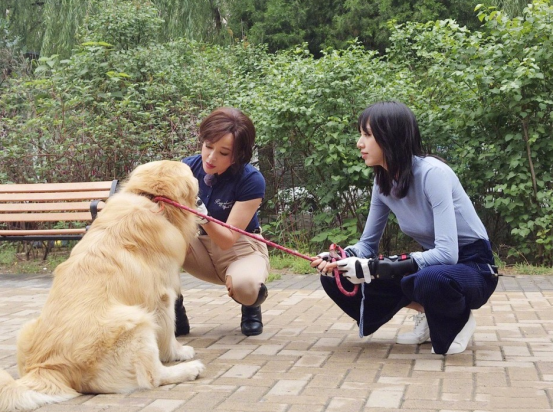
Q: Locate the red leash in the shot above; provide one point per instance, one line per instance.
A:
(335, 255)
(252, 235)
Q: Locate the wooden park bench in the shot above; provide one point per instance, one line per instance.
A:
(50, 211)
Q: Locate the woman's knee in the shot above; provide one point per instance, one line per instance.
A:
(430, 287)
(244, 289)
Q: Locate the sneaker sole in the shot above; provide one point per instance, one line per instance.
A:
(411, 341)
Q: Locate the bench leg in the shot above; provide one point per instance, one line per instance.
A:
(47, 247)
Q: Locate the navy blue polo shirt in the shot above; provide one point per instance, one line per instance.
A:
(229, 188)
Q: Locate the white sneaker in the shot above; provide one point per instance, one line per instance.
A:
(462, 339)
(420, 333)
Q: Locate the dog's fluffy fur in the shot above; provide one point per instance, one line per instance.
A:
(109, 322)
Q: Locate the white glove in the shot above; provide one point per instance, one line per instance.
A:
(200, 207)
(355, 269)
(324, 256)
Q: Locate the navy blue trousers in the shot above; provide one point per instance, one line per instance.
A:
(447, 293)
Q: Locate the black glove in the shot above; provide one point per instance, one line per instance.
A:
(392, 267)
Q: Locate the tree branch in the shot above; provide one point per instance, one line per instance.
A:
(529, 155)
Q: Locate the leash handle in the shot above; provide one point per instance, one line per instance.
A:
(243, 232)
(337, 253)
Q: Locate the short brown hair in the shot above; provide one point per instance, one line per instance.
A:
(226, 120)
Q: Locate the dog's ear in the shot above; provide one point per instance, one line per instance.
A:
(171, 179)
(190, 187)
(179, 183)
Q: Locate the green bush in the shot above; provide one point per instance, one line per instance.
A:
(483, 100)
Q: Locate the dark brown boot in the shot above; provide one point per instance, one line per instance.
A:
(182, 327)
(252, 323)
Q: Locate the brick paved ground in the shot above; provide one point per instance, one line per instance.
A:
(310, 358)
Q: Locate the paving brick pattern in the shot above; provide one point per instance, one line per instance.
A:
(310, 357)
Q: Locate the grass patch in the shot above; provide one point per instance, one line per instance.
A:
(273, 276)
(7, 256)
(14, 262)
(526, 269)
(32, 266)
(522, 268)
(292, 263)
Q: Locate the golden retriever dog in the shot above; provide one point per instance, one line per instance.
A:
(109, 322)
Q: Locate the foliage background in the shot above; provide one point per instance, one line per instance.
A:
(48, 27)
(122, 97)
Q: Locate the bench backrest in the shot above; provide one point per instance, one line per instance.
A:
(22, 206)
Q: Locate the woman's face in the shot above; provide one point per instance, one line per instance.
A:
(370, 150)
(217, 156)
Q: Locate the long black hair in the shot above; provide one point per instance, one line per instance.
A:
(396, 131)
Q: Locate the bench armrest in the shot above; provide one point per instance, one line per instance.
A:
(94, 208)
(94, 203)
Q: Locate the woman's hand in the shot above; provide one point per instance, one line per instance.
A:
(240, 216)
(200, 207)
(323, 264)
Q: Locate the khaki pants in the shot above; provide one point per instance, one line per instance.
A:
(242, 268)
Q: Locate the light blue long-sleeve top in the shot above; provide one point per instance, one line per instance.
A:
(437, 213)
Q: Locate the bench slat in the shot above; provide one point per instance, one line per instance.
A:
(47, 204)
(42, 232)
(46, 207)
(45, 217)
(41, 197)
(55, 187)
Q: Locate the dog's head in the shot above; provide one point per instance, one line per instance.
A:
(167, 178)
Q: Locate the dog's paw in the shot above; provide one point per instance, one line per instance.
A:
(196, 368)
(184, 353)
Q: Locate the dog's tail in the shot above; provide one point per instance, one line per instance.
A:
(17, 395)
